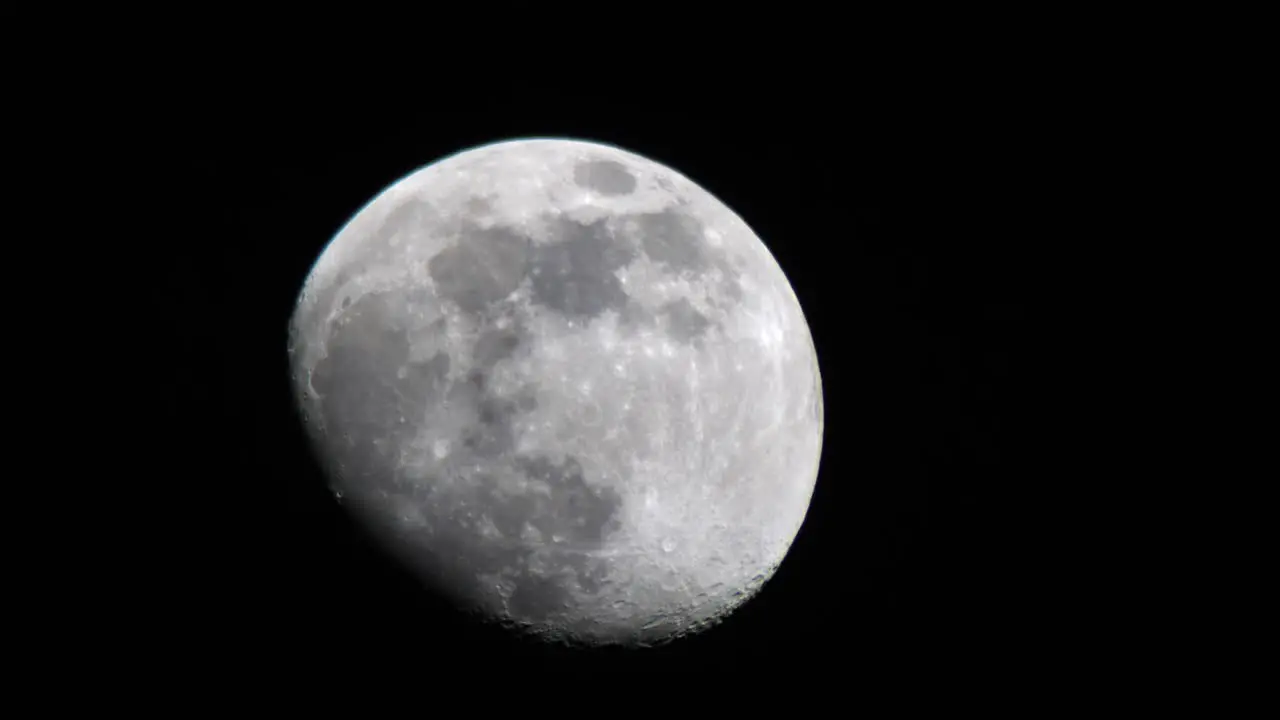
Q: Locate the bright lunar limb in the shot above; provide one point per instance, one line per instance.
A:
(567, 386)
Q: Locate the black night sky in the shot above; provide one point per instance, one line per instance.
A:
(898, 227)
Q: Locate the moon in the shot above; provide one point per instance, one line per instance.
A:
(566, 386)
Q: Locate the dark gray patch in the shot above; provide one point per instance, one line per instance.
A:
(732, 289)
(527, 400)
(635, 315)
(495, 345)
(431, 373)
(576, 511)
(484, 267)
(478, 205)
(575, 276)
(469, 392)
(497, 412)
(605, 177)
(362, 397)
(478, 380)
(673, 239)
(538, 597)
(510, 512)
(684, 322)
(492, 434)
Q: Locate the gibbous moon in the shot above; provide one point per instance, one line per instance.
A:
(569, 388)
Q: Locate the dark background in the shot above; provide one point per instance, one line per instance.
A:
(900, 227)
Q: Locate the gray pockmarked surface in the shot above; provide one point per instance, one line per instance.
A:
(567, 386)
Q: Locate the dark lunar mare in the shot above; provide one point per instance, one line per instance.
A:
(674, 239)
(485, 266)
(684, 322)
(574, 275)
(362, 398)
(606, 177)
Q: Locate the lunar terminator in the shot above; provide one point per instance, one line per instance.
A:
(568, 387)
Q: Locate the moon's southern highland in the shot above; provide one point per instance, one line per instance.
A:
(568, 387)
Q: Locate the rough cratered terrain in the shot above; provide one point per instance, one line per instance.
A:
(567, 386)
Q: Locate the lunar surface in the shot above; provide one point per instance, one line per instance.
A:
(568, 387)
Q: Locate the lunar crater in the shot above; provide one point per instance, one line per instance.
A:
(606, 177)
